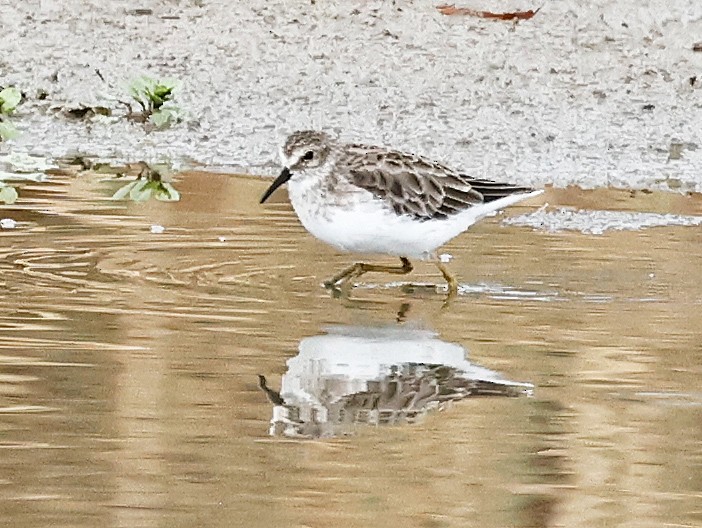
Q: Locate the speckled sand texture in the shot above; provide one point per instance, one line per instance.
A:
(591, 93)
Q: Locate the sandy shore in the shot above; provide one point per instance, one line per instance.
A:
(593, 96)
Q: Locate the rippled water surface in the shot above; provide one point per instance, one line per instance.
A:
(563, 387)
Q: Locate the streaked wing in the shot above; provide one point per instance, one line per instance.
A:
(416, 186)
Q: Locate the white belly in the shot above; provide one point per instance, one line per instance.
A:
(370, 228)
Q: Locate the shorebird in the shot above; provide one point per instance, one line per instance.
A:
(366, 199)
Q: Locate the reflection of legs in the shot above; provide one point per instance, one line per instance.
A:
(359, 268)
(402, 312)
(450, 279)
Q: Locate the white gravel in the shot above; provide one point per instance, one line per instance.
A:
(588, 93)
(598, 222)
(7, 223)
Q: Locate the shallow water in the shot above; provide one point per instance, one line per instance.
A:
(129, 359)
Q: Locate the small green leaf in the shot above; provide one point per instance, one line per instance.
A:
(161, 94)
(152, 94)
(166, 116)
(124, 191)
(160, 118)
(7, 131)
(141, 192)
(8, 194)
(139, 85)
(148, 185)
(10, 97)
(162, 91)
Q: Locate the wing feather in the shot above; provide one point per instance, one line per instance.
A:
(492, 190)
(418, 187)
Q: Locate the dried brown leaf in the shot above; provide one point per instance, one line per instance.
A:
(515, 15)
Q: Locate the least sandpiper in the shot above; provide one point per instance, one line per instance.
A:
(366, 199)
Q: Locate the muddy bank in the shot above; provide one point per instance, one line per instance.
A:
(605, 95)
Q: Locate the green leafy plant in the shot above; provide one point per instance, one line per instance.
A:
(155, 97)
(7, 130)
(10, 97)
(150, 183)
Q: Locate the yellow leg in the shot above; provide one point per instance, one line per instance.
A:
(359, 268)
(450, 279)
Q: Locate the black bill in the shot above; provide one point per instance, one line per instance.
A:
(280, 180)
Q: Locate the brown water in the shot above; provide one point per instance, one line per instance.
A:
(129, 360)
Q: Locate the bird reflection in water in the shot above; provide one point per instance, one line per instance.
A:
(375, 375)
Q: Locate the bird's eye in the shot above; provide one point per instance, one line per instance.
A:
(308, 155)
